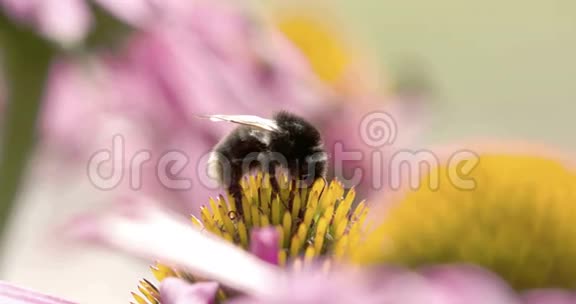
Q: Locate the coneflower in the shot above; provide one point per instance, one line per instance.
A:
(319, 222)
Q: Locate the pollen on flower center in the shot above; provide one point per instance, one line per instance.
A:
(316, 221)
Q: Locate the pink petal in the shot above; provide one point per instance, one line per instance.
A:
(22, 10)
(10, 294)
(345, 287)
(177, 10)
(440, 285)
(134, 12)
(144, 230)
(178, 291)
(264, 243)
(465, 284)
(66, 21)
(69, 110)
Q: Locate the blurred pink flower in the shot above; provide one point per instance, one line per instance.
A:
(549, 296)
(216, 61)
(69, 21)
(175, 290)
(264, 245)
(10, 294)
(66, 21)
(130, 225)
(211, 58)
(143, 229)
(473, 286)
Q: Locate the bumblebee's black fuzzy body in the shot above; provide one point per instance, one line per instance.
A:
(293, 145)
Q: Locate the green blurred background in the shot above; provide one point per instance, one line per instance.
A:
(504, 68)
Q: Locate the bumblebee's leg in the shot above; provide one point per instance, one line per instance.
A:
(235, 190)
(304, 179)
(308, 174)
(273, 178)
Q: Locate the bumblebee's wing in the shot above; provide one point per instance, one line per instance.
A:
(247, 120)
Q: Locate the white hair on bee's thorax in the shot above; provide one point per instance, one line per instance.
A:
(317, 157)
(215, 170)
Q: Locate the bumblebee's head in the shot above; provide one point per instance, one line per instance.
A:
(300, 143)
(297, 131)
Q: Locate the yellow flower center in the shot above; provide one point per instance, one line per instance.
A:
(315, 221)
(518, 222)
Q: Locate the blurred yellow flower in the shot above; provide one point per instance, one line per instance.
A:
(337, 56)
(322, 45)
(519, 222)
